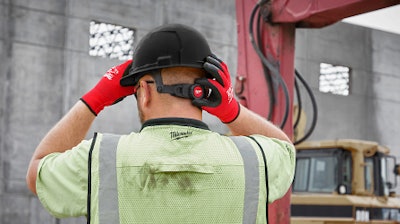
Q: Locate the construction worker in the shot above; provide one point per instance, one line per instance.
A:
(175, 170)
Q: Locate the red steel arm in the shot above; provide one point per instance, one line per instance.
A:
(316, 14)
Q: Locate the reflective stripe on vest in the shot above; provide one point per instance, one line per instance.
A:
(108, 193)
(252, 178)
(108, 189)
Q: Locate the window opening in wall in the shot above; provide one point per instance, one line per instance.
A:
(111, 41)
(334, 79)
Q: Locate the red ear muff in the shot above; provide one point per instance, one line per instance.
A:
(197, 92)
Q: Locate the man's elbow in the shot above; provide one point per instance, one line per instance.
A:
(31, 178)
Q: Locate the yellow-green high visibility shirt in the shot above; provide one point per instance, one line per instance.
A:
(172, 171)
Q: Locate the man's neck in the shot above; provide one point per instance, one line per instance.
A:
(182, 110)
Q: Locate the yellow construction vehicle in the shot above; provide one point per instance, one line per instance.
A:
(344, 181)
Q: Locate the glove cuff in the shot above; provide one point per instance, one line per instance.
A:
(94, 105)
(232, 115)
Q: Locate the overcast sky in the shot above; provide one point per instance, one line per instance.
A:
(387, 19)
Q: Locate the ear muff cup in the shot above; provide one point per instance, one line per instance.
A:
(197, 91)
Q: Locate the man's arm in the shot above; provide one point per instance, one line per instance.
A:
(72, 128)
(222, 104)
(66, 134)
(248, 123)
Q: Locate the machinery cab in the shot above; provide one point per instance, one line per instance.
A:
(344, 181)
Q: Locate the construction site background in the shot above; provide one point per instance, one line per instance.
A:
(45, 67)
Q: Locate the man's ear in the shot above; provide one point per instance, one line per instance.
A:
(146, 94)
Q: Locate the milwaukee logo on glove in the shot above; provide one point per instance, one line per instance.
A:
(229, 92)
(110, 73)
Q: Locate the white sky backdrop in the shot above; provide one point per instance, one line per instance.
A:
(387, 19)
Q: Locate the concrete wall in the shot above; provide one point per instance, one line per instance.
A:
(45, 68)
(339, 44)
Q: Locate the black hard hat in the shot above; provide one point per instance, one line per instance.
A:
(167, 46)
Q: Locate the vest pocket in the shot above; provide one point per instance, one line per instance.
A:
(181, 177)
(195, 168)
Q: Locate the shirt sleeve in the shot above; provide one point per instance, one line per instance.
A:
(281, 162)
(61, 182)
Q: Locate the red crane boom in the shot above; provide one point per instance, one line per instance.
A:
(272, 30)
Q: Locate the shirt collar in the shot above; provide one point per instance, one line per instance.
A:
(175, 121)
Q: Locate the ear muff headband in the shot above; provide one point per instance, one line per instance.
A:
(189, 91)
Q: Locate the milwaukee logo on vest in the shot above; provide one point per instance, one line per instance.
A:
(175, 135)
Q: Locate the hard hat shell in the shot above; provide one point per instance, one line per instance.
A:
(167, 46)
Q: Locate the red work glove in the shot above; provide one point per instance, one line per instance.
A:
(220, 100)
(108, 91)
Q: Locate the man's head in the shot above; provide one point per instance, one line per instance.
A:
(172, 45)
(168, 60)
